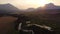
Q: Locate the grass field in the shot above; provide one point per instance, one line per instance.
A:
(6, 25)
(7, 22)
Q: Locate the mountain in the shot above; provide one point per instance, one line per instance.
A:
(51, 6)
(8, 8)
(49, 9)
(30, 9)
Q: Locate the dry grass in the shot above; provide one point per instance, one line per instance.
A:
(6, 25)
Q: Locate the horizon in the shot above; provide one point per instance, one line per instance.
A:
(43, 7)
(25, 4)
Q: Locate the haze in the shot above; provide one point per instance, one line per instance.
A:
(24, 4)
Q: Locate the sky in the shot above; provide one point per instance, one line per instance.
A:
(24, 4)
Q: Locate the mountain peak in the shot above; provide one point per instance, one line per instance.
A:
(8, 8)
(51, 6)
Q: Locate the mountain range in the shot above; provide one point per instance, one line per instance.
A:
(49, 8)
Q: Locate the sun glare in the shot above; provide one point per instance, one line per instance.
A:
(37, 2)
(43, 2)
(31, 3)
